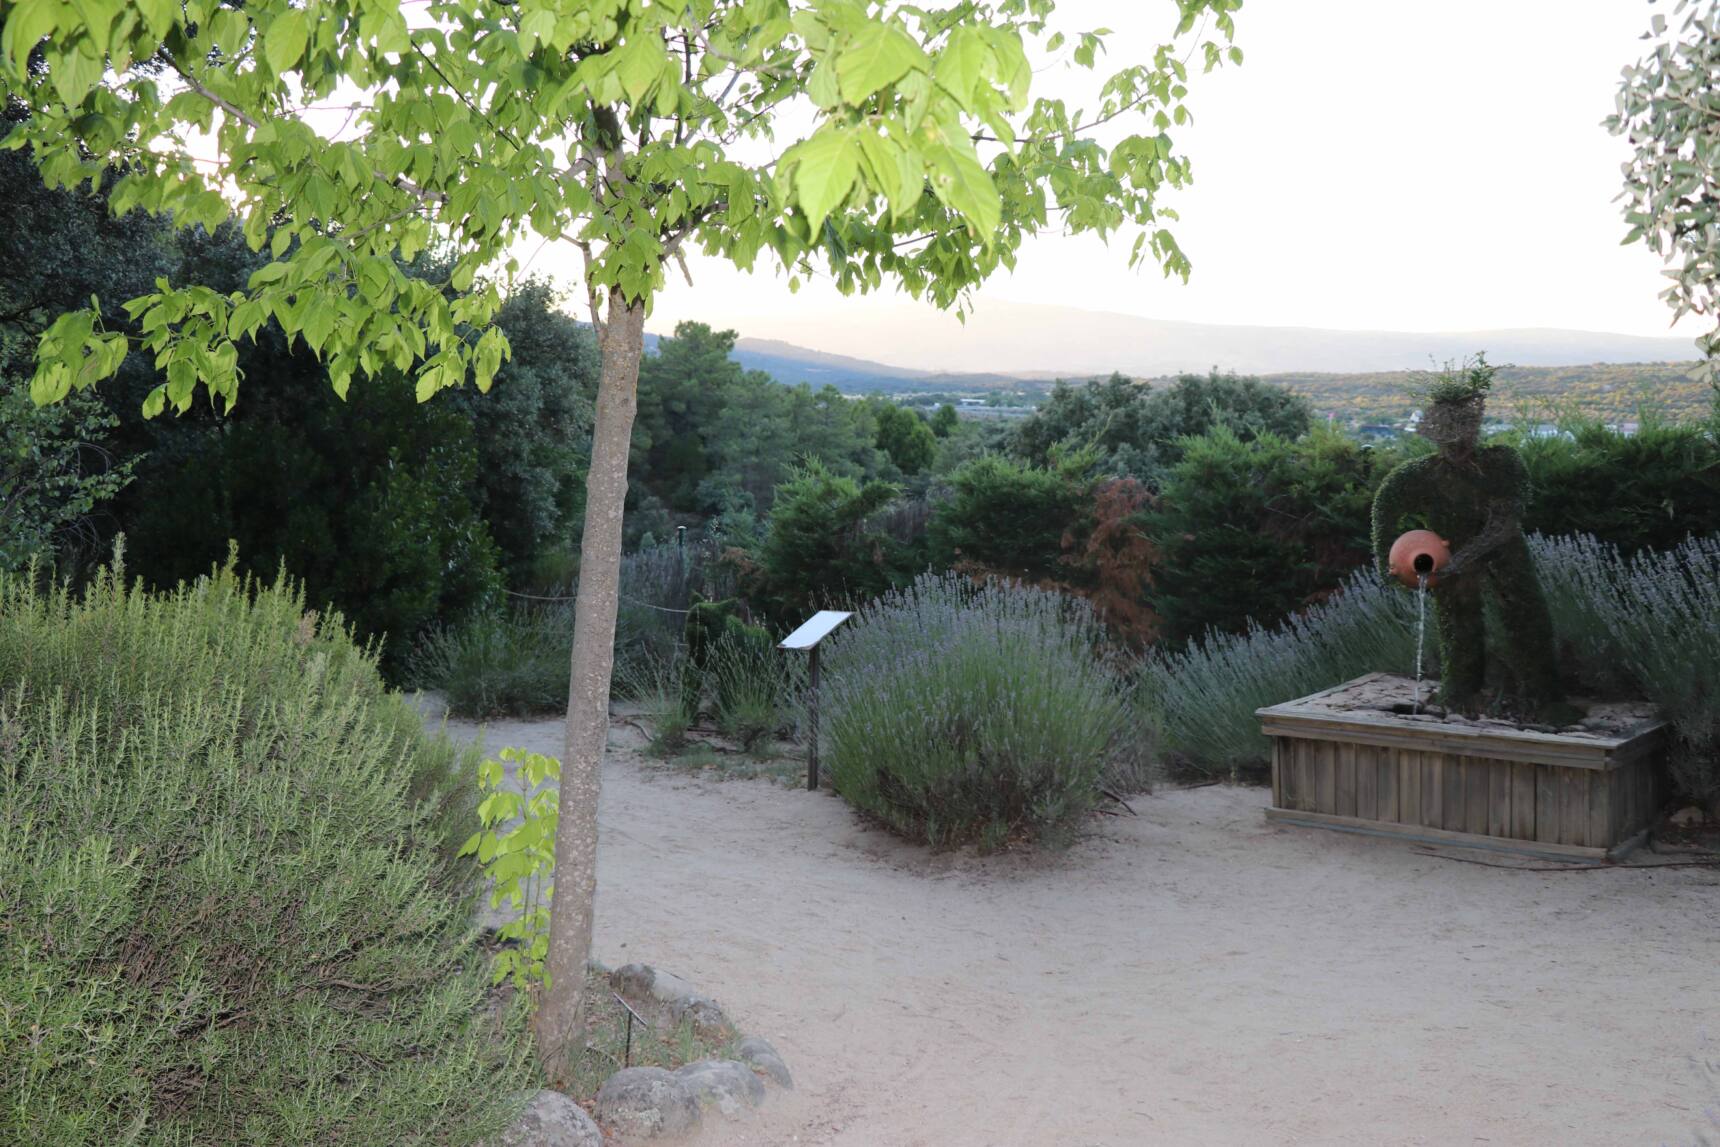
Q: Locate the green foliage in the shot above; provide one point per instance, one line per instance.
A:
(754, 687)
(712, 437)
(1651, 489)
(1672, 183)
(502, 662)
(233, 912)
(965, 713)
(1137, 429)
(904, 437)
(1649, 621)
(825, 545)
(481, 126)
(945, 420)
(1254, 530)
(53, 471)
(1458, 382)
(515, 847)
(1011, 518)
(1203, 697)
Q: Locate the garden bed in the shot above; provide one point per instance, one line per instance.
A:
(1365, 757)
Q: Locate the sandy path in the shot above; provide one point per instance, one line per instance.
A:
(1191, 976)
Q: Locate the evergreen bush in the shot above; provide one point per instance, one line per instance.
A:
(233, 911)
(976, 713)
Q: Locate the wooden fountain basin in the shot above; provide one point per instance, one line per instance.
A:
(1341, 759)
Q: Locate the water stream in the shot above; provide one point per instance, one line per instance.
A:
(1420, 634)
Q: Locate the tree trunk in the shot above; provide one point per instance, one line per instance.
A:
(559, 1018)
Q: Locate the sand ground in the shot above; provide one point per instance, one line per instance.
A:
(1191, 975)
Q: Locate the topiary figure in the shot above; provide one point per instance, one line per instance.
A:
(1474, 496)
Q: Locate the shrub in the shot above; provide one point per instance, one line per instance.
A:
(820, 548)
(963, 713)
(1203, 697)
(1012, 518)
(1249, 531)
(1651, 489)
(1654, 618)
(753, 685)
(501, 663)
(233, 912)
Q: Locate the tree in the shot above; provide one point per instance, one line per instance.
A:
(944, 421)
(1138, 428)
(1668, 110)
(905, 437)
(625, 128)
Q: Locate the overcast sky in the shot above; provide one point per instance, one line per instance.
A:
(1372, 165)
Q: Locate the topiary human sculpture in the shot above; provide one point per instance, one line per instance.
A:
(1473, 496)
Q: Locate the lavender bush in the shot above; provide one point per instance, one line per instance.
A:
(958, 713)
(1203, 698)
(1652, 619)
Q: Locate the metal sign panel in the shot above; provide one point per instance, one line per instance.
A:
(815, 629)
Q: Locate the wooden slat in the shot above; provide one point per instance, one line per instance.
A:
(1547, 805)
(1325, 757)
(1433, 789)
(1385, 769)
(1574, 807)
(1437, 835)
(1511, 745)
(1409, 784)
(1452, 816)
(1600, 833)
(1307, 798)
(1277, 772)
(1346, 769)
(1522, 801)
(1367, 782)
(1499, 797)
(1478, 795)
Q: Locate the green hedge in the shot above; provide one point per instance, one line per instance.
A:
(232, 910)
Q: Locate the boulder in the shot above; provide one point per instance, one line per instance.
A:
(667, 1000)
(760, 1054)
(551, 1119)
(647, 1103)
(726, 1084)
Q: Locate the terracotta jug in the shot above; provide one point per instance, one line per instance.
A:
(1418, 553)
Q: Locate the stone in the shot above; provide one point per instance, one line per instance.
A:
(763, 1056)
(726, 1084)
(669, 1000)
(647, 1103)
(551, 1119)
(1688, 816)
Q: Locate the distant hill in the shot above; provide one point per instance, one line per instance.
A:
(907, 344)
(793, 364)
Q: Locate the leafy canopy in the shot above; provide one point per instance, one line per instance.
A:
(1669, 110)
(627, 128)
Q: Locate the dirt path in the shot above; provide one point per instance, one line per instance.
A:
(1191, 976)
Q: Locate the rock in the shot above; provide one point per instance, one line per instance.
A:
(726, 1084)
(647, 1103)
(763, 1056)
(669, 1000)
(551, 1119)
(1687, 816)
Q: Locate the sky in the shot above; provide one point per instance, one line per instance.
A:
(1373, 165)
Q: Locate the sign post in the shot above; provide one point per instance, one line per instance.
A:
(814, 630)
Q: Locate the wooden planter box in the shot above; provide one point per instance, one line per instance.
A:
(1542, 794)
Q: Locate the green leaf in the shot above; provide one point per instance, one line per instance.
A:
(963, 185)
(824, 171)
(638, 65)
(25, 27)
(961, 64)
(537, 26)
(876, 57)
(284, 41)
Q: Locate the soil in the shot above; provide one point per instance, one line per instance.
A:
(1190, 975)
(1386, 694)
